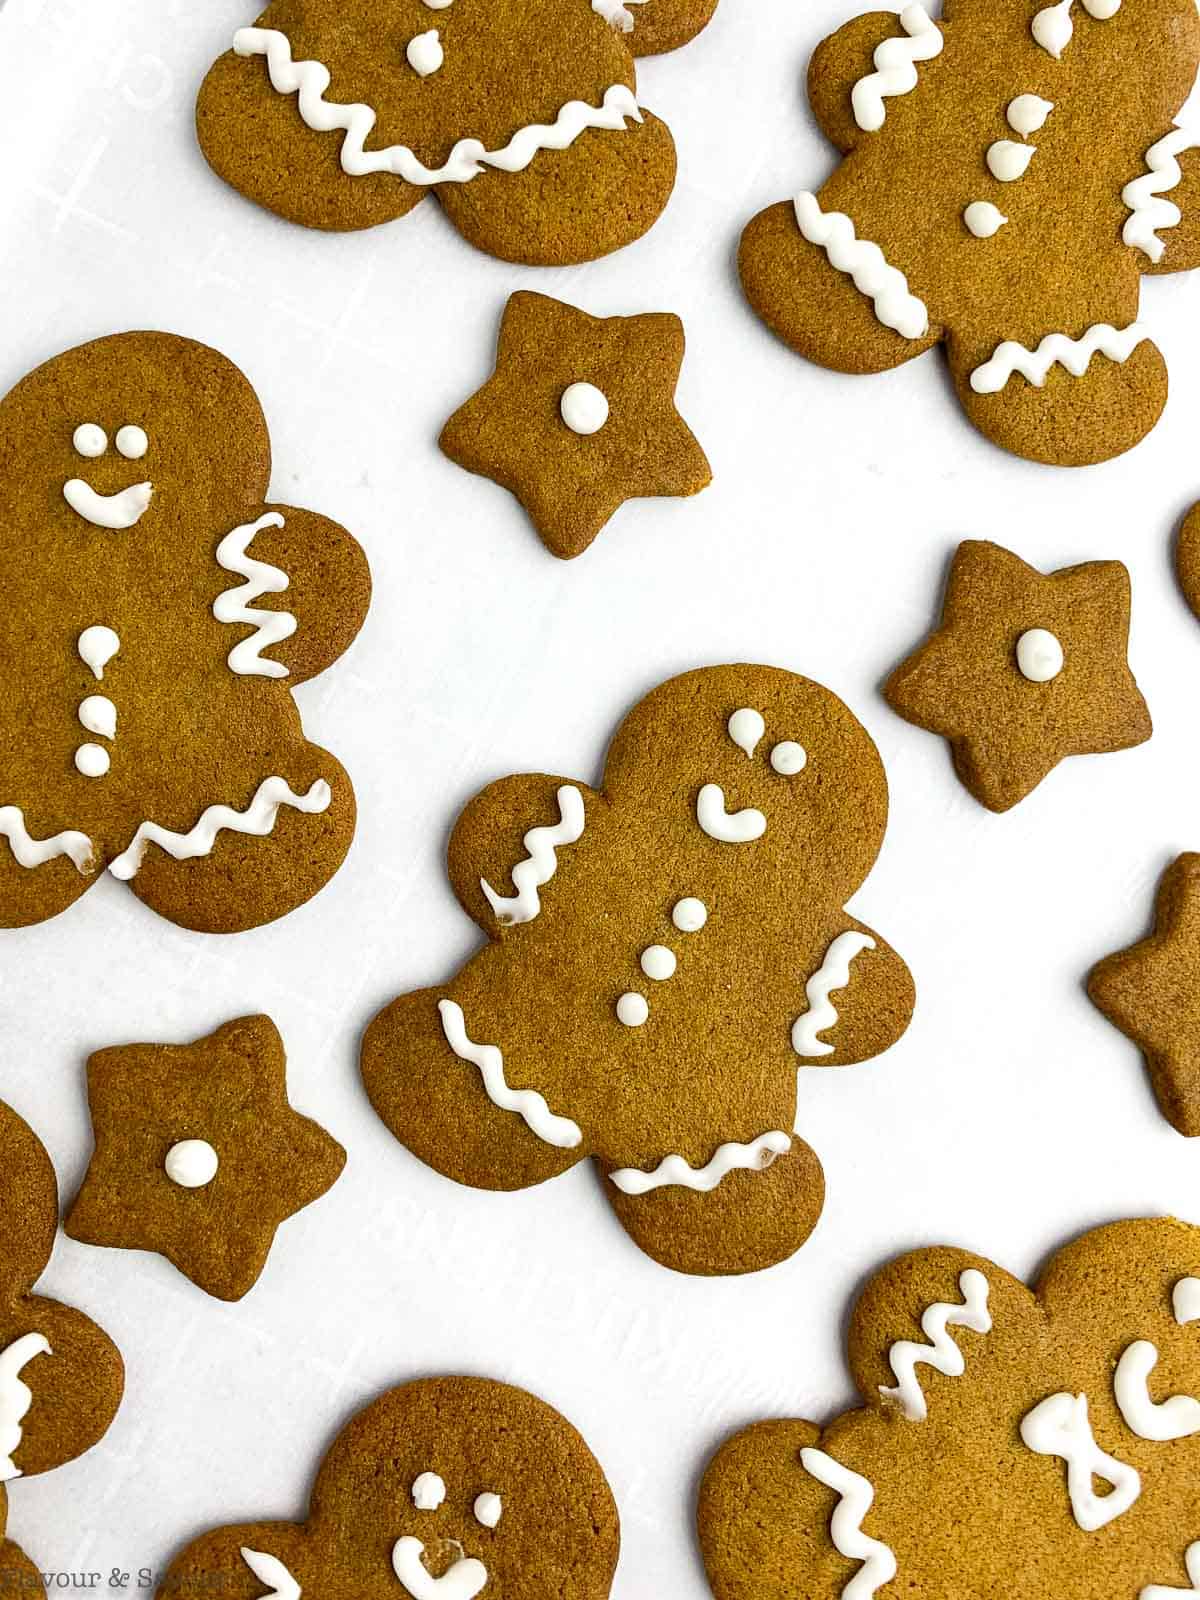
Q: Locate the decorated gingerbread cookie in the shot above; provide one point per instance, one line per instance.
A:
(664, 952)
(1152, 993)
(199, 1155)
(1026, 669)
(1012, 1441)
(448, 1487)
(149, 726)
(520, 115)
(61, 1376)
(1009, 172)
(578, 417)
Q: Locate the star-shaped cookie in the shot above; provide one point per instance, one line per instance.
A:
(1026, 668)
(198, 1154)
(1152, 993)
(578, 417)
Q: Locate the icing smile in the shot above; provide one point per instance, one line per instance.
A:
(462, 1581)
(114, 511)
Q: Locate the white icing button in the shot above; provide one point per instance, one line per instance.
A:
(689, 914)
(584, 408)
(632, 1010)
(1027, 113)
(789, 758)
(92, 760)
(97, 646)
(428, 1492)
(1039, 655)
(89, 440)
(487, 1508)
(425, 54)
(983, 219)
(1008, 160)
(98, 715)
(132, 441)
(658, 962)
(746, 728)
(191, 1163)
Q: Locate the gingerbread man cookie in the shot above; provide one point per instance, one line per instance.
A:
(520, 115)
(1012, 1442)
(1187, 558)
(148, 723)
(1009, 172)
(664, 953)
(448, 1487)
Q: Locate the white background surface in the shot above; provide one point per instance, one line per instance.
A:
(1009, 1117)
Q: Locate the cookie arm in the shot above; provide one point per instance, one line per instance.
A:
(662, 25)
(860, 1018)
(1181, 243)
(837, 64)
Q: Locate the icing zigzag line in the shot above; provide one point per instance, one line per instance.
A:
(941, 1353)
(31, 852)
(616, 14)
(1118, 344)
(884, 285)
(528, 1104)
(271, 627)
(896, 70)
(257, 819)
(541, 863)
(674, 1170)
(855, 1498)
(16, 1397)
(1148, 211)
(833, 973)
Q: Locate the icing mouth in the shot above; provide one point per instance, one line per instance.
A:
(462, 1581)
(114, 511)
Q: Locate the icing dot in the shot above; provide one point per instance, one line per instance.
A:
(789, 758)
(89, 439)
(98, 715)
(428, 1492)
(92, 760)
(689, 914)
(438, 5)
(132, 441)
(425, 53)
(983, 219)
(632, 1009)
(487, 1508)
(1027, 113)
(584, 408)
(97, 646)
(746, 728)
(1008, 160)
(192, 1163)
(658, 962)
(1039, 655)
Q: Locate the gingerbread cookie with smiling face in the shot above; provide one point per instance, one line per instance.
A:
(520, 115)
(450, 1487)
(147, 724)
(664, 952)
(1009, 172)
(1039, 1442)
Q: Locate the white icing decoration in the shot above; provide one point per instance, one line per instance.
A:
(1059, 1426)
(428, 1491)
(632, 1009)
(658, 962)
(1027, 113)
(615, 13)
(1039, 655)
(527, 1103)
(676, 1172)
(788, 758)
(487, 1508)
(98, 715)
(308, 80)
(885, 286)
(689, 914)
(270, 1570)
(132, 442)
(941, 1353)
(424, 53)
(97, 646)
(89, 440)
(540, 865)
(1053, 28)
(114, 511)
(15, 1397)
(31, 852)
(192, 1163)
(1185, 1301)
(1008, 160)
(258, 819)
(983, 219)
(462, 1580)
(1148, 210)
(583, 408)
(736, 827)
(855, 1498)
(438, 5)
(895, 67)
(233, 605)
(92, 760)
(746, 728)
(1056, 350)
(1165, 1591)
(833, 973)
(1176, 1418)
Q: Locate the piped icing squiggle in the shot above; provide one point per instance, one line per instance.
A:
(1148, 210)
(527, 1103)
(617, 15)
(271, 627)
(31, 852)
(1060, 1426)
(462, 1580)
(270, 1570)
(1053, 29)
(308, 81)
(941, 1353)
(729, 827)
(1118, 344)
(257, 819)
(541, 863)
(833, 973)
(855, 1498)
(15, 1397)
(1185, 1301)
(884, 285)
(1167, 1591)
(675, 1171)
(895, 67)
(1175, 1418)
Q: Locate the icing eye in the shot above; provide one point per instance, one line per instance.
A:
(746, 727)
(89, 439)
(789, 758)
(428, 1492)
(487, 1509)
(132, 441)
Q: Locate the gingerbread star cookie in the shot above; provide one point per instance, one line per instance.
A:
(1152, 993)
(198, 1154)
(1026, 669)
(578, 417)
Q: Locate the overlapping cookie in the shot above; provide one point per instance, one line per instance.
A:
(1009, 172)
(146, 721)
(663, 954)
(520, 115)
(1012, 1442)
(18, 1574)
(448, 1487)
(1187, 558)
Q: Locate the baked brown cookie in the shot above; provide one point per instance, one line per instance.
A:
(661, 957)
(1012, 1442)
(1026, 669)
(520, 115)
(1010, 171)
(147, 723)
(578, 417)
(18, 1575)
(199, 1155)
(1152, 993)
(61, 1376)
(446, 1487)
(1187, 558)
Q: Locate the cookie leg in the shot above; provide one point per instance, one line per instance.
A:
(35, 894)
